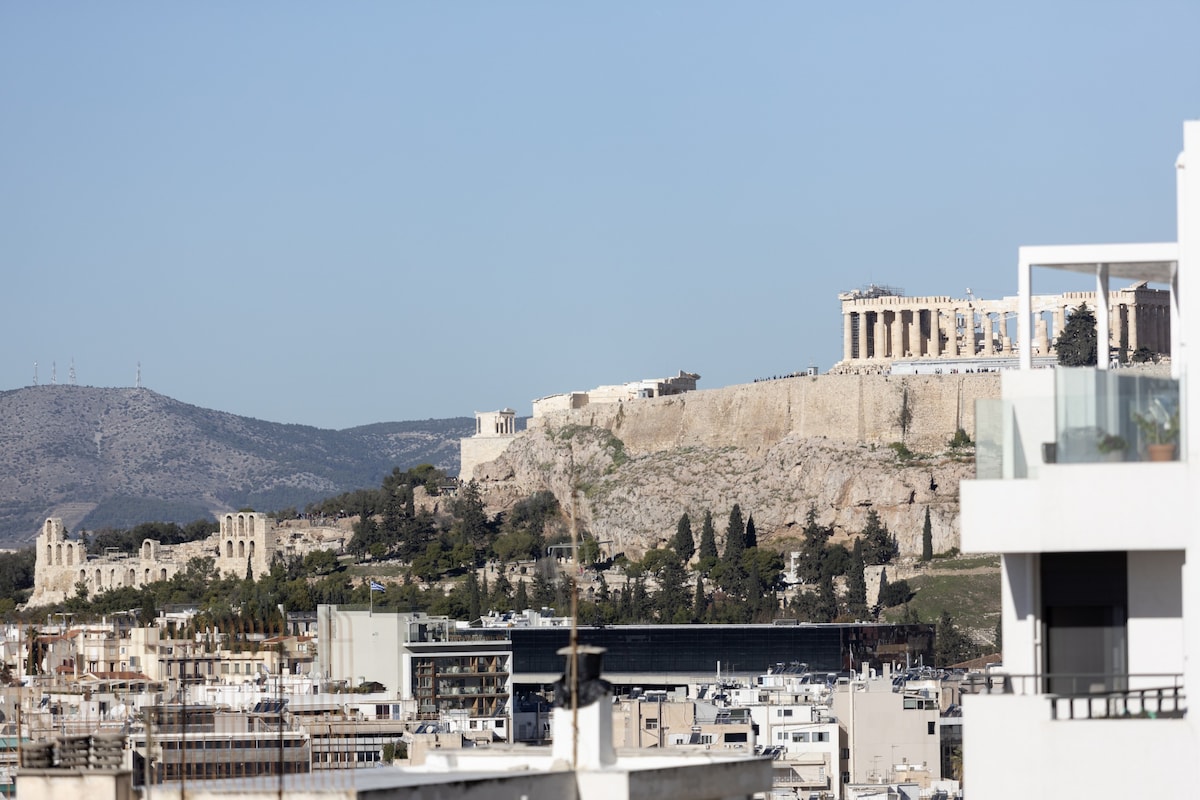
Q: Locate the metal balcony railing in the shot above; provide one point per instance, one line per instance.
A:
(1152, 696)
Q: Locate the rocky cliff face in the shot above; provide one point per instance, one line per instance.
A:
(627, 472)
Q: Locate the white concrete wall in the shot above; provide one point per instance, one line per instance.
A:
(1156, 631)
(1078, 508)
(1013, 749)
(1019, 603)
(357, 646)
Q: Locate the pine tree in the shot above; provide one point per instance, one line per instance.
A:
(812, 553)
(751, 533)
(927, 538)
(544, 591)
(684, 544)
(879, 546)
(826, 609)
(951, 645)
(1076, 344)
(671, 597)
(708, 544)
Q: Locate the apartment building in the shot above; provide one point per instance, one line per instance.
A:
(1086, 487)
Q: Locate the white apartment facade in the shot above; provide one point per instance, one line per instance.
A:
(1099, 549)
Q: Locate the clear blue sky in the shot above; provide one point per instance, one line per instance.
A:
(338, 214)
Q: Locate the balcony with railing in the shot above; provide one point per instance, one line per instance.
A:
(1088, 416)
(1095, 437)
(1092, 696)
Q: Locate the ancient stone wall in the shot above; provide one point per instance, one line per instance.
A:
(752, 417)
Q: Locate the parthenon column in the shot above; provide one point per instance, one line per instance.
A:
(897, 349)
(880, 335)
(847, 335)
(935, 332)
(952, 331)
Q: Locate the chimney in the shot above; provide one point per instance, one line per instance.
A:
(583, 736)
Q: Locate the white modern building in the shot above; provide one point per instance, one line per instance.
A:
(1101, 619)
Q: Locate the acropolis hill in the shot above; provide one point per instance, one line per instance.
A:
(776, 447)
(644, 452)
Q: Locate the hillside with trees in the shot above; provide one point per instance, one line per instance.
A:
(444, 554)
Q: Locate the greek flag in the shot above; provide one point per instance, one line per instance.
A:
(377, 587)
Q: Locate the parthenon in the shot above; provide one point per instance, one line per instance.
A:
(881, 326)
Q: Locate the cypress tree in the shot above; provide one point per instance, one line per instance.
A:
(671, 597)
(474, 607)
(684, 543)
(502, 594)
(751, 534)
(883, 587)
(521, 600)
(708, 544)
(625, 604)
(856, 585)
(927, 538)
(735, 537)
(639, 604)
(699, 605)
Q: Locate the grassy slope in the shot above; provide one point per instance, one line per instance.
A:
(966, 586)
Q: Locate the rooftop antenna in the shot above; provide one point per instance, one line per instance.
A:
(71, 373)
(35, 378)
(138, 383)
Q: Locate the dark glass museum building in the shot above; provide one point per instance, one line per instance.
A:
(643, 652)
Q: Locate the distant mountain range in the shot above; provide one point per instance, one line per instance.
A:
(117, 457)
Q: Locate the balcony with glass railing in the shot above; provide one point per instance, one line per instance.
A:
(1087, 416)
(1058, 451)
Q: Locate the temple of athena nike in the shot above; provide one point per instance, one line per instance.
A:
(882, 330)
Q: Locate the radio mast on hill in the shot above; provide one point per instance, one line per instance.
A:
(138, 383)
(35, 378)
(71, 373)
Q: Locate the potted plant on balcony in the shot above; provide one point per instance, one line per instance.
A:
(1112, 447)
(1160, 430)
